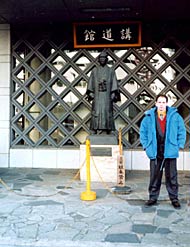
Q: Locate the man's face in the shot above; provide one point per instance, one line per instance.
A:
(102, 60)
(161, 104)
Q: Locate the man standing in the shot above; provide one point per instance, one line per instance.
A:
(162, 134)
(102, 90)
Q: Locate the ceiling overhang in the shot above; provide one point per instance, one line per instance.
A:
(53, 11)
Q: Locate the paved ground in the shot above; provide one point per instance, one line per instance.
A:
(44, 209)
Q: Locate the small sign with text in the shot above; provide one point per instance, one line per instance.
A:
(107, 34)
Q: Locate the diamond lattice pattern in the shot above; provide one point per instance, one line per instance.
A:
(49, 84)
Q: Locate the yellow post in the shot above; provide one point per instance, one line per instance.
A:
(88, 195)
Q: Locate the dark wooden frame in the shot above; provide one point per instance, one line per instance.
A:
(82, 24)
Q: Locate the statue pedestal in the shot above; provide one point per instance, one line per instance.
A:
(103, 161)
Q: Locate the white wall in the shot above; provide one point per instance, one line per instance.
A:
(70, 159)
(45, 158)
(4, 94)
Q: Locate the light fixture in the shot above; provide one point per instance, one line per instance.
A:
(103, 10)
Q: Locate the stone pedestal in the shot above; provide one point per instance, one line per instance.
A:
(104, 155)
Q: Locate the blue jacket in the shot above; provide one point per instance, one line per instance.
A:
(175, 133)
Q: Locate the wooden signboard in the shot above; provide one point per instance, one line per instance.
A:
(120, 164)
(107, 34)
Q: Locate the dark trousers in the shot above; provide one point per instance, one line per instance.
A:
(156, 172)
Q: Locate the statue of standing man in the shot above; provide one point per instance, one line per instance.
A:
(102, 90)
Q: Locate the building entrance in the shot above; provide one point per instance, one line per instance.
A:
(49, 79)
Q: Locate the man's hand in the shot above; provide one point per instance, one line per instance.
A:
(112, 96)
(91, 96)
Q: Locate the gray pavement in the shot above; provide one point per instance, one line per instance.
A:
(42, 207)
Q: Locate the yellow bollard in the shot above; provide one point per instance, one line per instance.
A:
(88, 195)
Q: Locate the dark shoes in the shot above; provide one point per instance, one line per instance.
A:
(176, 204)
(150, 202)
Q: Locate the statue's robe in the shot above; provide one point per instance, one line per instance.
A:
(104, 85)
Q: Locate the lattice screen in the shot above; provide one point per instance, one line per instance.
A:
(49, 107)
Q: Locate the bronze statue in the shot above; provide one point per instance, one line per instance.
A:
(102, 90)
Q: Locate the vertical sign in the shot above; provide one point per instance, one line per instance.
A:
(120, 164)
(120, 171)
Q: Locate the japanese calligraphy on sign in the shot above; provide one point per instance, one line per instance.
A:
(107, 34)
(120, 172)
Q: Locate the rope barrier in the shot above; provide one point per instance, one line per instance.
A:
(187, 198)
(50, 195)
(129, 199)
(13, 191)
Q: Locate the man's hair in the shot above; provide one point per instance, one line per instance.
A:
(161, 95)
(103, 54)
